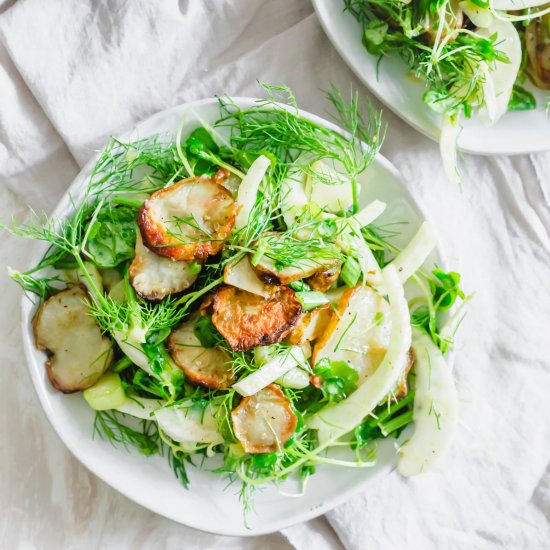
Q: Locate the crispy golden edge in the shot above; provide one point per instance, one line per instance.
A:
(296, 336)
(155, 237)
(334, 320)
(244, 331)
(323, 280)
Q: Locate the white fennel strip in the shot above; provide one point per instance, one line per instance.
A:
(368, 214)
(435, 410)
(248, 190)
(411, 258)
(270, 371)
(501, 77)
(335, 421)
(448, 144)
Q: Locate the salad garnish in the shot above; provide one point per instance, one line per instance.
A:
(474, 57)
(230, 289)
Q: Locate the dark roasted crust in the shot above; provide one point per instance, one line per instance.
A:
(274, 319)
(154, 232)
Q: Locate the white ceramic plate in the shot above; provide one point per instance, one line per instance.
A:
(209, 504)
(516, 133)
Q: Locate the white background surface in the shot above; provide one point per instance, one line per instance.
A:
(74, 71)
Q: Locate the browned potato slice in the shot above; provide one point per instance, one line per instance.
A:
(188, 220)
(78, 352)
(247, 320)
(311, 326)
(210, 367)
(155, 277)
(268, 271)
(323, 280)
(264, 422)
(358, 332)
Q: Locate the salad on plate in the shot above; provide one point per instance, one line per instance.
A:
(225, 298)
(476, 58)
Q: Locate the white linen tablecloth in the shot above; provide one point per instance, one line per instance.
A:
(74, 71)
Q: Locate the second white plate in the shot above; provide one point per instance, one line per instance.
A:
(516, 133)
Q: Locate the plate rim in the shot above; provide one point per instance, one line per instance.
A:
(310, 512)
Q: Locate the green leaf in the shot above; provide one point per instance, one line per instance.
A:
(420, 318)
(264, 461)
(374, 36)
(339, 379)
(199, 142)
(201, 146)
(206, 332)
(160, 363)
(447, 289)
(112, 236)
(521, 99)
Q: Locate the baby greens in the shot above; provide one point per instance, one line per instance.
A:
(238, 362)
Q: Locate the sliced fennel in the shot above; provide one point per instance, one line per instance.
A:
(435, 409)
(181, 423)
(295, 378)
(448, 147)
(140, 407)
(411, 258)
(480, 17)
(328, 188)
(293, 198)
(275, 367)
(501, 77)
(239, 273)
(248, 190)
(130, 344)
(368, 214)
(505, 5)
(189, 425)
(335, 421)
(107, 393)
